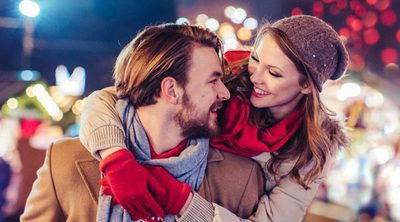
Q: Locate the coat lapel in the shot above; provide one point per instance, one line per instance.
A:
(90, 174)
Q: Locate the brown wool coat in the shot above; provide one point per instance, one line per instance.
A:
(67, 185)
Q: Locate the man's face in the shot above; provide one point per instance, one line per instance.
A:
(203, 96)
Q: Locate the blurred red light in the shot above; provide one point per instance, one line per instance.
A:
(371, 2)
(297, 11)
(388, 18)
(354, 4)
(370, 19)
(341, 4)
(357, 62)
(360, 10)
(356, 25)
(383, 4)
(318, 9)
(398, 35)
(371, 36)
(350, 19)
(344, 32)
(29, 126)
(389, 55)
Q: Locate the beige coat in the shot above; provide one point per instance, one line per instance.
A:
(67, 186)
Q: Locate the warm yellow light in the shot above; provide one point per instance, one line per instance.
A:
(12, 103)
(244, 34)
(77, 107)
(225, 28)
(29, 92)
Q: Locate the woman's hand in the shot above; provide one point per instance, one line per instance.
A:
(131, 185)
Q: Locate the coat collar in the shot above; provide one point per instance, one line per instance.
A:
(214, 155)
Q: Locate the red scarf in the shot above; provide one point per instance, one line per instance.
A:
(170, 153)
(241, 137)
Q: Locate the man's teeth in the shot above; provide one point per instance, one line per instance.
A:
(259, 91)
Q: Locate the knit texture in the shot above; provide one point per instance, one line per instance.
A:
(318, 45)
(105, 137)
(199, 210)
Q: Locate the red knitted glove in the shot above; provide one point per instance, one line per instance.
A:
(177, 192)
(134, 188)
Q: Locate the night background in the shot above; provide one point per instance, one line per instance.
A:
(91, 33)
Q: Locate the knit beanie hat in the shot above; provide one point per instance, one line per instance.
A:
(318, 45)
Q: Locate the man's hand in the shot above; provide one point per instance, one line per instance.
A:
(132, 186)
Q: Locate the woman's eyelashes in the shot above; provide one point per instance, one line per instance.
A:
(274, 74)
(253, 57)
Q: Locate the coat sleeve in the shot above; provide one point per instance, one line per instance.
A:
(42, 203)
(287, 201)
(101, 126)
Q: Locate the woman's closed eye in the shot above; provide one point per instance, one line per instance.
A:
(253, 57)
(274, 74)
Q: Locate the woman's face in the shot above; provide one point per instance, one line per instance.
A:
(275, 79)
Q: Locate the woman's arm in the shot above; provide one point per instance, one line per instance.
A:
(101, 129)
(287, 201)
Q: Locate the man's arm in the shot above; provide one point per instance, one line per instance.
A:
(42, 203)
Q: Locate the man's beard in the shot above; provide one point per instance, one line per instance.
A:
(193, 123)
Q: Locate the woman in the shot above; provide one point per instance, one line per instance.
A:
(275, 114)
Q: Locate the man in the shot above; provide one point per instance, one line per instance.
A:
(171, 76)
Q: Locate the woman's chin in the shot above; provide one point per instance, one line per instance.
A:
(256, 103)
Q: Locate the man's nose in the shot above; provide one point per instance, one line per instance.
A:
(223, 92)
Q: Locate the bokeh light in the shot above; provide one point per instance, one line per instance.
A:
(229, 11)
(182, 20)
(382, 4)
(297, 11)
(389, 55)
(29, 8)
(201, 18)
(318, 9)
(341, 4)
(388, 18)
(398, 35)
(371, 36)
(239, 16)
(250, 23)
(370, 19)
(212, 24)
(244, 34)
(12, 103)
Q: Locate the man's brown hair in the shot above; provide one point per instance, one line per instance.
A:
(155, 53)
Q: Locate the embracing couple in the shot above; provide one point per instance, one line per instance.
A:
(189, 134)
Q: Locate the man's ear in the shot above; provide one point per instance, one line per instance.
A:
(171, 90)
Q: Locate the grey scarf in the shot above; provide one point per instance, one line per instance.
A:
(188, 167)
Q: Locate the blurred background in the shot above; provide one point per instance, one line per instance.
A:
(53, 53)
